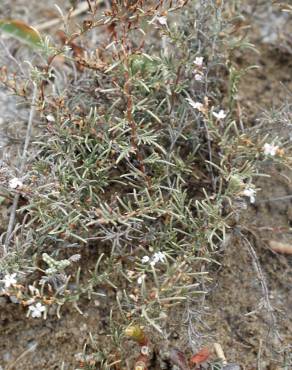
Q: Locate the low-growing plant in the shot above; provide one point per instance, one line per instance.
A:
(138, 161)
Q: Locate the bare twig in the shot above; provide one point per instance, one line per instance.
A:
(21, 169)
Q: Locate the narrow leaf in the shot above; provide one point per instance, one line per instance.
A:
(21, 31)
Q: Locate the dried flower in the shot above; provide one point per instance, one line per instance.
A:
(9, 280)
(199, 61)
(37, 310)
(15, 183)
(220, 115)
(136, 333)
(270, 149)
(250, 192)
(141, 364)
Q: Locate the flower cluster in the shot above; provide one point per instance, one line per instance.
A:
(157, 257)
(199, 74)
(35, 310)
(203, 109)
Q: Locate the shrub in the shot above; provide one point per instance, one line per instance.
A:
(137, 161)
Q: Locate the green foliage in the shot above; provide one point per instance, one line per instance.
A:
(133, 166)
(54, 266)
(126, 167)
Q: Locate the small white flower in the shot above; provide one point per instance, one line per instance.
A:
(140, 279)
(15, 183)
(199, 61)
(145, 259)
(158, 257)
(37, 310)
(270, 149)
(220, 115)
(162, 20)
(9, 280)
(250, 192)
(198, 77)
(50, 118)
(195, 105)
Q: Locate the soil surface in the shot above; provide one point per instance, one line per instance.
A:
(251, 323)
